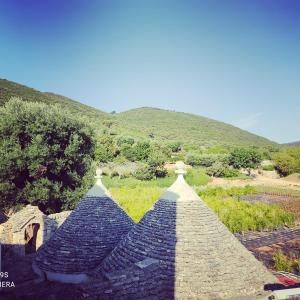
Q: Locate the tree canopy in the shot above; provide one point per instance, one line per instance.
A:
(46, 154)
(245, 158)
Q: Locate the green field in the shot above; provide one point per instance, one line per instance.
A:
(237, 215)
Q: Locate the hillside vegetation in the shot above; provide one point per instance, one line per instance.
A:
(10, 89)
(190, 129)
(292, 144)
(145, 123)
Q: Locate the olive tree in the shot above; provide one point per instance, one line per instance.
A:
(46, 154)
(248, 158)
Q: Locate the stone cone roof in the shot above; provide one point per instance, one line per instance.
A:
(180, 250)
(87, 236)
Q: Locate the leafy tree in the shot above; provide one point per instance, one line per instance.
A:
(245, 158)
(205, 160)
(142, 151)
(45, 156)
(156, 161)
(128, 152)
(106, 149)
(216, 170)
(193, 160)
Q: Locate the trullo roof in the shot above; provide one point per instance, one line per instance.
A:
(180, 250)
(87, 236)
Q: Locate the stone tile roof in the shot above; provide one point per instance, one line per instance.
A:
(90, 232)
(197, 257)
(22, 217)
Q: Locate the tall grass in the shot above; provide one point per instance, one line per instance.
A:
(197, 177)
(240, 215)
(281, 191)
(136, 201)
(136, 197)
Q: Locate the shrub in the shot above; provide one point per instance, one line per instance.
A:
(106, 149)
(206, 160)
(125, 175)
(144, 173)
(142, 151)
(45, 156)
(216, 170)
(156, 159)
(103, 154)
(287, 161)
(161, 172)
(114, 174)
(229, 173)
(175, 146)
(245, 158)
(193, 160)
(281, 262)
(128, 152)
(125, 140)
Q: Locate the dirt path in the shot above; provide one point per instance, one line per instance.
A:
(258, 180)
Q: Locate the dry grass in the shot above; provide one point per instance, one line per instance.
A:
(293, 206)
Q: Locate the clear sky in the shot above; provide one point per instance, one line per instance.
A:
(233, 61)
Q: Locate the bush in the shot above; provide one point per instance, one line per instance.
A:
(161, 172)
(287, 161)
(142, 151)
(114, 174)
(175, 146)
(221, 169)
(245, 158)
(156, 163)
(144, 173)
(216, 170)
(229, 173)
(128, 152)
(45, 156)
(281, 262)
(106, 149)
(206, 160)
(125, 140)
(125, 175)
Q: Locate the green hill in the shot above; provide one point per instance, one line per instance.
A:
(144, 123)
(292, 144)
(10, 89)
(164, 125)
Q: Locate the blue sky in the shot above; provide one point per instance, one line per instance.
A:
(233, 61)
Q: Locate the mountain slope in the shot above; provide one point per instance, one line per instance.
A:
(10, 89)
(144, 123)
(292, 144)
(167, 125)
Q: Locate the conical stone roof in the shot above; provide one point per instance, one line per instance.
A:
(180, 250)
(85, 238)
